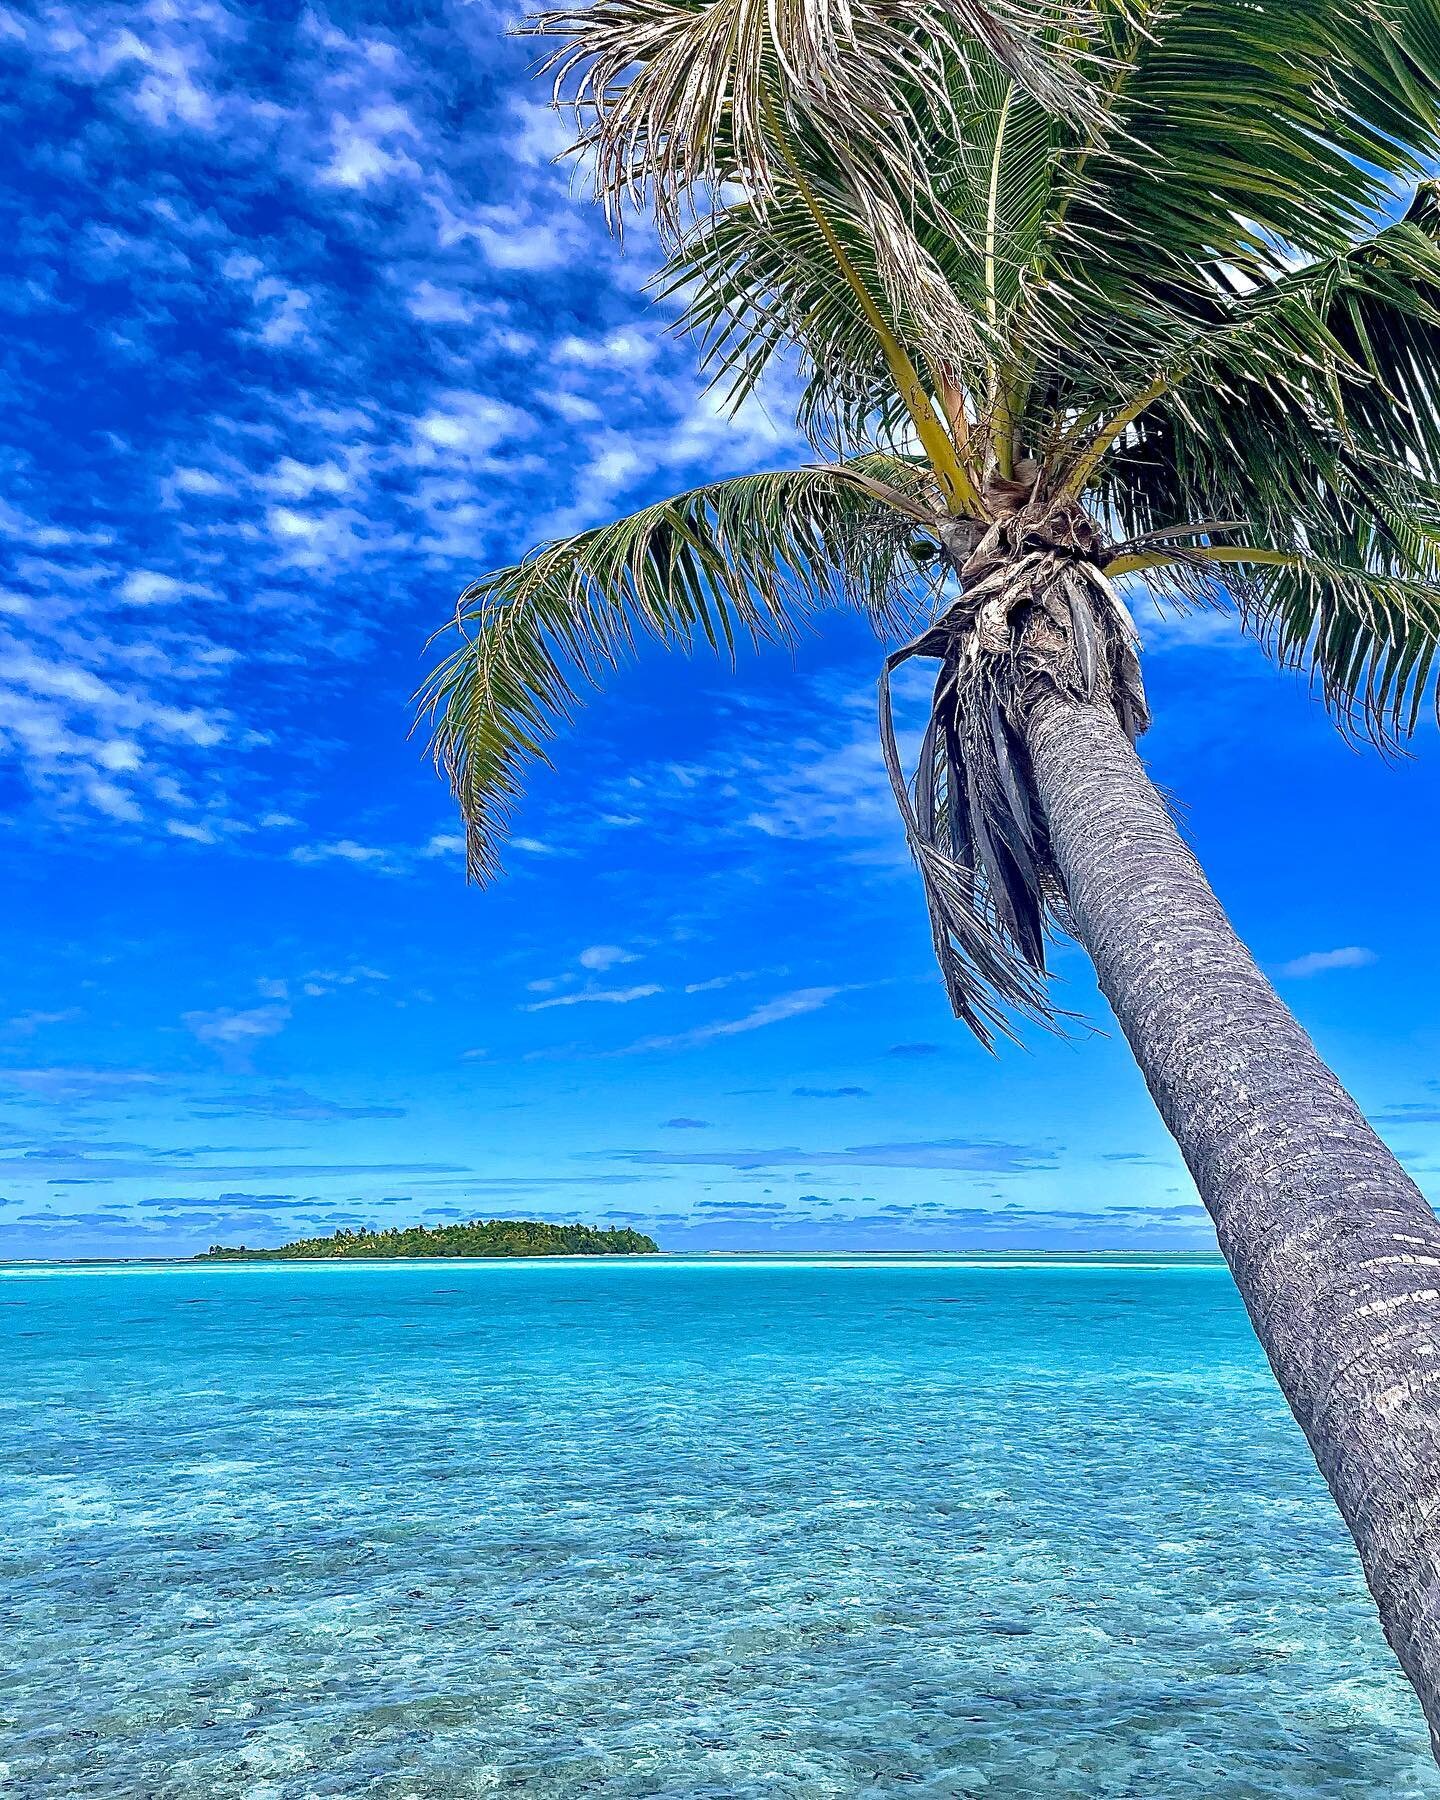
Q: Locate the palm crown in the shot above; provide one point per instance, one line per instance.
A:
(1161, 277)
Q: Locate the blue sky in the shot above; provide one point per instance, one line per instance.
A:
(302, 330)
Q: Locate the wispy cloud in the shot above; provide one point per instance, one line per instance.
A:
(237, 1028)
(773, 1012)
(344, 850)
(292, 1103)
(600, 957)
(65, 1161)
(715, 982)
(1321, 962)
(965, 1155)
(68, 1083)
(27, 1024)
(411, 422)
(596, 996)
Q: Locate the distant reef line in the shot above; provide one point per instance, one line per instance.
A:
(478, 1237)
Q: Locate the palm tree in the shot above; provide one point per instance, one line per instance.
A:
(1083, 292)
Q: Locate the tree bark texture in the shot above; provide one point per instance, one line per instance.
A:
(1333, 1247)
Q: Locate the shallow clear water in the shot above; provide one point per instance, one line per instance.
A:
(642, 1528)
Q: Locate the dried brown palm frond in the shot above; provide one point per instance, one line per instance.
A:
(672, 97)
(1036, 614)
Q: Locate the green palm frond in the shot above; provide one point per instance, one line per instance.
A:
(745, 558)
(1237, 140)
(759, 284)
(1384, 312)
(1053, 268)
(1313, 415)
(1367, 636)
(996, 193)
(947, 264)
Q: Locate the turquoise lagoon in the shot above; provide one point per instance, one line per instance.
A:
(671, 1527)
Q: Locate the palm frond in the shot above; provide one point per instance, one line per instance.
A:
(1238, 143)
(745, 558)
(1239, 135)
(762, 283)
(1368, 636)
(1031, 617)
(673, 97)
(1053, 268)
(1312, 415)
(944, 265)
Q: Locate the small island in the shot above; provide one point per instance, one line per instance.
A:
(479, 1237)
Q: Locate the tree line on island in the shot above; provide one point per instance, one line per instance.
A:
(476, 1237)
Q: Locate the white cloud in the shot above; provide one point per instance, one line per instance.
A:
(513, 245)
(286, 319)
(538, 227)
(149, 587)
(1320, 962)
(114, 802)
(27, 1024)
(600, 957)
(325, 981)
(76, 1083)
(368, 430)
(466, 422)
(285, 522)
(80, 685)
(574, 407)
(293, 480)
(439, 305)
(343, 850)
(603, 996)
(773, 1012)
(718, 981)
(827, 791)
(169, 91)
(200, 482)
(231, 1028)
(365, 150)
(622, 349)
(540, 134)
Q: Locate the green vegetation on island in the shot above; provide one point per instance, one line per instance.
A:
(478, 1237)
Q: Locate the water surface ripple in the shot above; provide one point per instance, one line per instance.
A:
(671, 1528)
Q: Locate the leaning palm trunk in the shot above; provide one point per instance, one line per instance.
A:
(1332, 1246)
(1029, 801)
(1335, 1250)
